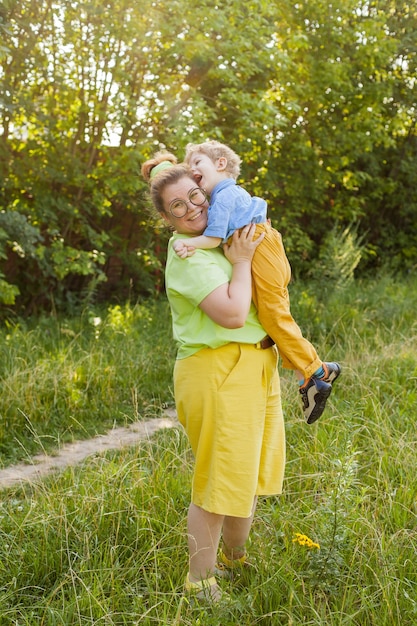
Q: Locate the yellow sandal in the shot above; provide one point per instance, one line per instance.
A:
(232, 563)
(227, 568)
(204, 590)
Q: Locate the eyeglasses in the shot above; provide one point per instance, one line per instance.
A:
(179, 208)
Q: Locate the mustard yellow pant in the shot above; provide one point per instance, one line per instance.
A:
(271, 273)
(229, 403)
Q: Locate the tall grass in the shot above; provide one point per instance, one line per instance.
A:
(72, 378)
(104, 543)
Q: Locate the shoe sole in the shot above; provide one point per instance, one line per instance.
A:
(320, 400)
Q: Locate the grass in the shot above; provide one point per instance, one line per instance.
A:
(104, 542)
(65, 379)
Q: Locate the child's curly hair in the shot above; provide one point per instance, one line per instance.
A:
(214, 150)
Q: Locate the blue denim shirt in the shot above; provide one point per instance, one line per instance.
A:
(232, 207)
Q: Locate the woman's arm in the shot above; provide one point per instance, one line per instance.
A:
(229, 304)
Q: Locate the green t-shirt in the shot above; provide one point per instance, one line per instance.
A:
(188, 281)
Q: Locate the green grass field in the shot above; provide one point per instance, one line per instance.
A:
(105, 543)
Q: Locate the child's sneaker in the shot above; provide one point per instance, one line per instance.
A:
(314, 394)
(315, 391)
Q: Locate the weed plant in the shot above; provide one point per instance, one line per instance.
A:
(105, 542)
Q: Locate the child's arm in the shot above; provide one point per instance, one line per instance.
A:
(187, 247)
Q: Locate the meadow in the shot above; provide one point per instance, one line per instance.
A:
(104, 543)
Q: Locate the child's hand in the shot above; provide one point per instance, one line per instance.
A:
(183, 249)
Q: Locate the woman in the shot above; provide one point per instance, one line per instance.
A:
(226, 383)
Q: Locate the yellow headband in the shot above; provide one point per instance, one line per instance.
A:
(163, 165)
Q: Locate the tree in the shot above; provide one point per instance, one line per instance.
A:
(317, 98)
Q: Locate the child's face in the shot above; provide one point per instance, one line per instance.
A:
(206, 172)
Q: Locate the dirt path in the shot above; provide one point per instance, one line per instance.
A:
(73, 453)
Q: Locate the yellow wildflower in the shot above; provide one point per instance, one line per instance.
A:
(303, 540)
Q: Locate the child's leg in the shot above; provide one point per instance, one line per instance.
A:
(271, 274)
(299, 376)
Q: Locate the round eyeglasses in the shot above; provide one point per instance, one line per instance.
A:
(179, 208)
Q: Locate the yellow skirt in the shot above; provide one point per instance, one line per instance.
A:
(229, 402)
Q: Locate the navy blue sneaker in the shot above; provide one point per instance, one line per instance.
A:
(331, 372)
(315, 392)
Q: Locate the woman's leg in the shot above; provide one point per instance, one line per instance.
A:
(235, 534)
(204, 531)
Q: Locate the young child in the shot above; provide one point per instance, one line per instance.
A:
(216, 167)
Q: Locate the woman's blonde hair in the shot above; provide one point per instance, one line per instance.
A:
(214, 150)
(169, 173)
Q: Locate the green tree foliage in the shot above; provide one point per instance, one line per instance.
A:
(317, 97)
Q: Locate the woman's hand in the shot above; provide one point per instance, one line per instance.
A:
(243, 245)
(229, 304)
